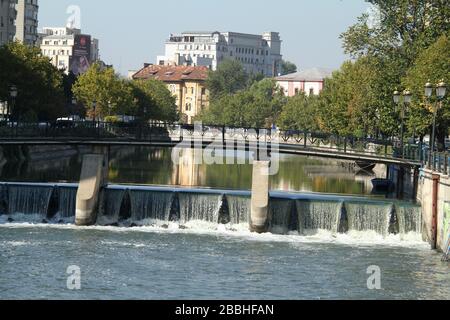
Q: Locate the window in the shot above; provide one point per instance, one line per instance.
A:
(296, 91)
(203, 91)
(311, 92)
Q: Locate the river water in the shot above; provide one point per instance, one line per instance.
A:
(203, 260)
(207, 262)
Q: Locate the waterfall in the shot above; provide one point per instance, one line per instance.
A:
(239, 208)
(199, 207)
(32, 201)
(366, 216)
(318, 215)
(110, 204)
(3, 199)
(281, 216)
(409, 218)
(67, 198)
(153, 205)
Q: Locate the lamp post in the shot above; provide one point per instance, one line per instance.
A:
(13, 94)
(407, 98)
(441, 89)
(94, 106)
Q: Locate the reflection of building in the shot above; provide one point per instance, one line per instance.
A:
(27, 21)
(187, 84)
(3, 110)
(309, 81)
(257, 53)
(7, 21)
(69, 50)
(186, 173)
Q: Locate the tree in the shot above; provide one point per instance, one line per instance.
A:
(288, 67)
(351, 102)
(39, 83)
(432, 65)
(403, 28)
(101, 85)
(300, 113)
(154, 100)
(256, 107)
(229, 78)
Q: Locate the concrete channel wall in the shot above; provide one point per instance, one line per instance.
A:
(434, 195)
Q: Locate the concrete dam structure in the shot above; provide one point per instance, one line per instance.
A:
(130, 206)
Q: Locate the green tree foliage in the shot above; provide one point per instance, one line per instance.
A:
(257, 107)
(229, 78)
(111, 94)
(431, 65)
(349, 101)
(288, 67)
(403, 29)
(300, 113)
(39, 83)
(154, 100)
(393, 41)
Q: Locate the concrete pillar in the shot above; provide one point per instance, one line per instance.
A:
(93, 178)
(260, 197)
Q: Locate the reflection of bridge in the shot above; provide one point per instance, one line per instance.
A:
(367, 150)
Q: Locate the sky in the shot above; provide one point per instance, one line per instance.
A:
(133, 32)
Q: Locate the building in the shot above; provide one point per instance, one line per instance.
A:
(8, 14)
(310, 81)
(69, 49)
(27, 22)
(257, 53)
(186, 83)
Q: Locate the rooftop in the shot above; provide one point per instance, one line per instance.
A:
(172, 73)
(313, 74)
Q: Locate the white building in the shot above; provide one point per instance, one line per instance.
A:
(257, 53)
(8, 14)
(27, 22)
(310, 81)
(68, 50)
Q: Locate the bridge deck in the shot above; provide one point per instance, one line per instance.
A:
(293, 149)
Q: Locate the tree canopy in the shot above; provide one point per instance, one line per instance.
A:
(288, 67)
(229, 78)
(257, 107)
(154, 100)
(39, 84)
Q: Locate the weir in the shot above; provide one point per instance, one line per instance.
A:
(147, 206)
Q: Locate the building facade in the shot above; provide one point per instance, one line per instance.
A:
(257, 53)
(310, 81)
(69, 49)
(27, 22)
(186, 83)
(8, 15)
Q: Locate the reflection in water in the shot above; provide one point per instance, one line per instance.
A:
(154, 166)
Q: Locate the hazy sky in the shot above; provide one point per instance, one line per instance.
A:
(133, 32)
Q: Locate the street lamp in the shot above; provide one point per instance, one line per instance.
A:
(13, 94)
(441, 89)
(94, 106)
(407, 98)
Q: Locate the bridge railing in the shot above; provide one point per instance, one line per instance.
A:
(379, 146)
(438, 162)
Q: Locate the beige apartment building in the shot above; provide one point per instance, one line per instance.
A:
(8, 14)
(186, 83)
(27, 22)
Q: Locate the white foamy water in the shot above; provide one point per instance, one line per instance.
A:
(239, 232)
